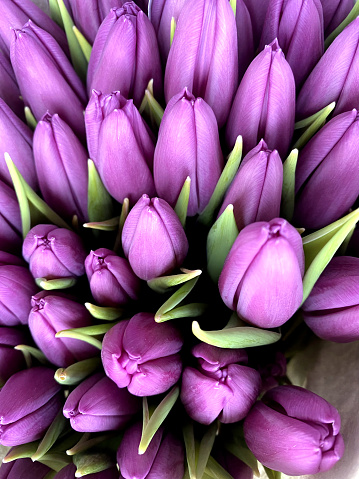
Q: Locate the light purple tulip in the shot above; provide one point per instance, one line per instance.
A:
(327, 174)
(153, 238)
(54, 85)
(219, 388)
(244, 36)
(204, 55)
(69, 471)
(256, 191)
(188, 145)
(126, 43)
(258, 17)
(163, 458)
(294, 431)
(262, 276)
(236, 468)
(142, 355)
(11, 360)
(63, 181)
(334, 12)
(10, 220)
(29, 402)
(9, 90)
(264, 106)
(24, 469)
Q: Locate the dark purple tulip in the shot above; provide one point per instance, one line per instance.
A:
(54, 252)
(245, 37)
(126, 43)
(68, 472)
(298, 26)
(63, 181)
(23, 469)
(52, 312)
(97, 404)
(327, 174)
(163, 459)
(153, 238)
(334, 12)
(54, 85)
(219, 388)
(294, 431)
(29, 402)
(10, 220)
(262, 276)
(9, 90)
(188, 145)
(236, 468)
(11, 360)
(142, 355)
(204, 55)
(264, 106)
(257, 17)
(272, 371)
(256, 191)
(112, 281)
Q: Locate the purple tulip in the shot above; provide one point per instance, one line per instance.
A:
(11, 360)
(334, 12)
(23, 469)
(244, 36)
(334, 78)
(126, 43)
(188, 145)
(29, 402)
(112, 281)
(52, 312)
(121, 146)
(236, 468)
(54, 85)
(204, 55)
(272, 371)
(327, 174)
(258, 17)
(9, 90)
(10, 220)
(262, 276)
(54, 252)
(295, 24)
(69, 471)
(97, 404)
(219, 388)
(153, 238)
(163, 458)
(142, 355)
(294, 431)
(256, 191)
(264, 106)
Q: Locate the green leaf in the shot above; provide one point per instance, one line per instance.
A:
(205, 448)
(50, 475)
(90, 463)
(86, 443)
(145, 413)
(191, 310)
(29, 117)
(21, 452)
(100, 204)
(58, 283)
(177, 297)
(68, 333)
(182, 201)
(107, 225)
(77, 372)
(124, 213)
(234, 6)
(173, 29)
(84, 44)
(105, 313)
(272, 474)
(288, 189)
(190, 445)
(55, 12)
(220, 240)
(55, 461)
(34, 352)
(312, 129)
(351, 16)
(93, 330)
(244, 455)
(51, 436)
(233, 338)
(216, 471)
(164, 283)
(156, 111)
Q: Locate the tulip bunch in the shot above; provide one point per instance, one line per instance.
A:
(154, 285)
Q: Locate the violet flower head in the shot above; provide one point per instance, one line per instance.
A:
(258, 17)
(11, 360)
(334, 12)
(236, 468)
(24, 469)
(10, 220)
(294, 431)
(142, 355)
(245, 40)
(9, 89)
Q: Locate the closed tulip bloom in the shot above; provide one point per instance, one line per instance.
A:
(9, 90)
(126, 42)
(97, 404)
(153, 238)
(327, 174)
(24, 469)
(334, 12)
(294, 431)
(142, 355)
(258, 17)
(236, 468)
(256, 191)
(219, 388)
(262, 276)
(29, 402)
(63, 182)
(53, 312)
(112, 281)
(204, 55)
(188, 145)
(69, 471)
(54, 252)
(10, 220)
(264, 106)
(11, 360)
(163, 458)
(54, 85)
(245, 40)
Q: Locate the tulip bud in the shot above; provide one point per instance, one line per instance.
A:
(10, 220)
(54, 85)
(23, 468)
(163, 458)
(236, 468)
(245, 40)
(292, 23)
(204, 55)
(11, 360)
(219, 388)
(126, 42)
(63, 181)
(262, 276)
(188, 145)
(142, 355)
(294, 431)
(29, 402)
(97, 404)
(153, 238)
(258, 17)
(9, 90)
(327, 174)
(272, 371)
(53, 312)
(69, 471)
(268, 77)
(112, 281)
(334, 12)
(256, 191)
(54, 252)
